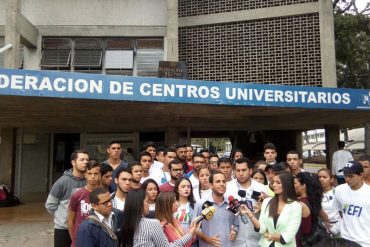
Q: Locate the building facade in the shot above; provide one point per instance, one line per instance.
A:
(288, 42)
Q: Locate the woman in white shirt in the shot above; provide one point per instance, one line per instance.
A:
(184, 197)
(326, 179)
(204, 188)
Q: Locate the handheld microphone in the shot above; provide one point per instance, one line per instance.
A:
(242, 194)
(233, 205)
(207, 212)
(207, 204)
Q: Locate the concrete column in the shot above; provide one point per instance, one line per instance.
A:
(172, 136)
(12, 35)
(7, 157)
(172, 38)
(188, 136)
(328, 67)
(331, 142)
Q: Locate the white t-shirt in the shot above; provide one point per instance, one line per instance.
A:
(202, 194)
(340, 158)
(158, 175)
(327, 205)
(119, 204)
(194, 181)
(247, 236)
(157, 165)
(355, 207)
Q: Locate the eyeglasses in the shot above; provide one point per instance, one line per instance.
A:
(178, 170)
(105, 204)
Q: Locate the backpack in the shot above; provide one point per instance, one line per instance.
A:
(6, 198)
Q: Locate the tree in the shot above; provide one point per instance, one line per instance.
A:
(352, 43)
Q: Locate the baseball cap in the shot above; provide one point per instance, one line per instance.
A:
(352, 167)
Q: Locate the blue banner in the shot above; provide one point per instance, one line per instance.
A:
(146, 89)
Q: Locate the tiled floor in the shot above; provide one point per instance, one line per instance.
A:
(26, 225)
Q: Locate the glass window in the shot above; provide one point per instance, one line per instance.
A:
(147, 61)
(116, 59)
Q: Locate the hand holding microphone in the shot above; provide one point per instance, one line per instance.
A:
(207, 212)
(234, 205)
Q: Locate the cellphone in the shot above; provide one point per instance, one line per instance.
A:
(256, 195)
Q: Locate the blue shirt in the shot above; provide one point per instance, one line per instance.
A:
(219, 224)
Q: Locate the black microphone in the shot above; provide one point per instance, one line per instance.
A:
(242, 194)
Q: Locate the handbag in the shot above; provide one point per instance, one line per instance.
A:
(318, 233)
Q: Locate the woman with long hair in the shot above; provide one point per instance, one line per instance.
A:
(260, 176)
(151, 189)
(326, 179)
(309, 193)
(165, 207)
(280, 216)
(185, 199)
(236, 154)
(204, 188)
(141, 231)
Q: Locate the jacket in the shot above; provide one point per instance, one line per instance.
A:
(92, 234)
(58, 199)
(287, 225)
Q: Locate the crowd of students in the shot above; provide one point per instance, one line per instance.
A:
(157, 201)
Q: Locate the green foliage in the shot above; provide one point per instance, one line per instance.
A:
(352, 42)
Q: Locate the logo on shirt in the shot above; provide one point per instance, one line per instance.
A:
(351, 209)
(85, 208)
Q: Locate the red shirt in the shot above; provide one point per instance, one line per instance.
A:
(167, 187)
(80, 204)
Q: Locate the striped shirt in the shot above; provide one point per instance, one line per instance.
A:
(150, 234)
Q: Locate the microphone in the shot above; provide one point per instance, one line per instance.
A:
(243, 195)
(207, 212)
(233, 205)
(207, 204)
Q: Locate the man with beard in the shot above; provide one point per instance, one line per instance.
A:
(242, 170)
(123, 181)
(136, 170)
(176, 172)
(181, 155)
(198, 160)
(59, 196)
(114, 151)
(189, 157)
(205, 153)
(79, 205)
(222, 228)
